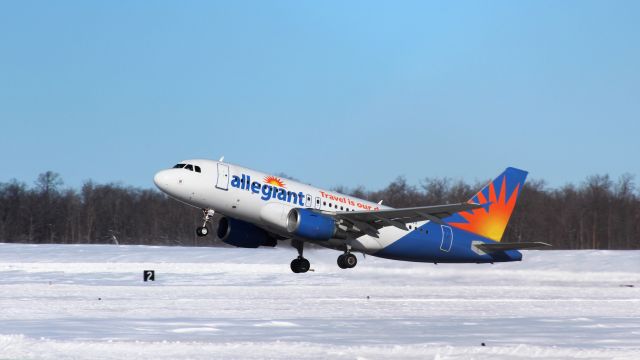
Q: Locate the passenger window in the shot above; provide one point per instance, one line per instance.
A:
(341, 207)
(197, 168)
(324, 203)
(189, 167)
(329, 204)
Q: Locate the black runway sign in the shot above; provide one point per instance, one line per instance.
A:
(149, 275)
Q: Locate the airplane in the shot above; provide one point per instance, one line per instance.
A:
(260, 209)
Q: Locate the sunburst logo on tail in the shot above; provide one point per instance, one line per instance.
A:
(272, 180)
(491, 220)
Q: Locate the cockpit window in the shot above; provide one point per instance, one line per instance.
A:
(189, 167)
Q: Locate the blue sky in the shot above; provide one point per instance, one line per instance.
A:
(333, 93)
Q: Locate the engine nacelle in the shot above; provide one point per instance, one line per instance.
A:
(312, 225)
(243, 234)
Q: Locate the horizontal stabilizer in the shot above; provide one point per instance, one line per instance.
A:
(510, 246)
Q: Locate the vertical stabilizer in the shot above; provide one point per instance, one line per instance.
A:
(500, 197)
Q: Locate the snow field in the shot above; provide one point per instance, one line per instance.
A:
(89, 301)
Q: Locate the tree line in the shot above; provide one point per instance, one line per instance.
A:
(598, 213)
(96, 213)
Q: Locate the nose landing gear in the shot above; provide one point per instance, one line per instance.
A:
(206, 217)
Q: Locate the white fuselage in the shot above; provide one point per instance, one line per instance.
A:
(265, 200)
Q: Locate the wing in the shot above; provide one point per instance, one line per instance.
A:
(369, 222)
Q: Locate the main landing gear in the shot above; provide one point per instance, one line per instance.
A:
(206, 217)
(347, 260)
(300, 264)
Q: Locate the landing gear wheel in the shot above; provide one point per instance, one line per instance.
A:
(341, 262)
(347, 261)
(295, 263)
(304, 265)
(300, 265)
(202, 231)
(350, 260)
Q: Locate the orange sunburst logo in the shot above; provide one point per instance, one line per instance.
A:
(491, 220)
(272, 180)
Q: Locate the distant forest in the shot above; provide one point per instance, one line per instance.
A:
(599, 213)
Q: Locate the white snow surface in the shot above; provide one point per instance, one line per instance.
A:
(90, 302)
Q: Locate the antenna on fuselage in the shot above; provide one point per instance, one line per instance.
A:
(221, 158)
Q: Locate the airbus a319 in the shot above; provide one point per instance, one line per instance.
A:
(259, 209)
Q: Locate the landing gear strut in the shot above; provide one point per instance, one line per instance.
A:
(347, 260)
(300, 264)
(206, 217)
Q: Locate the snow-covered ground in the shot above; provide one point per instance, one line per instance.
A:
(89, 301)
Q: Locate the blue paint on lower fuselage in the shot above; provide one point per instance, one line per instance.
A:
(424, 245)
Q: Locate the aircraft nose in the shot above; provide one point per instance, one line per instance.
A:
(162, 179)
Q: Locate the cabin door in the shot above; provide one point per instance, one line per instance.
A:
(223, 177)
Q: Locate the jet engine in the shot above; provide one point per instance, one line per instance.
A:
(312, 225)
(243, 234)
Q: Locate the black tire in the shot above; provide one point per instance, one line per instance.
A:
(341, 262)
(350, 261)
(303, 265)
(295, 265)
(202, 231)
(300, 265)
